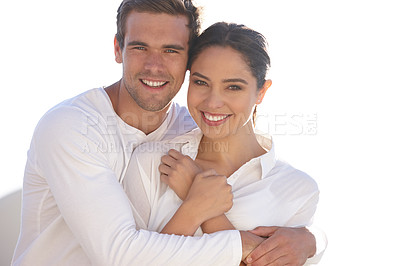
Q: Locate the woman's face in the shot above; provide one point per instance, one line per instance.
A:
(222, 92)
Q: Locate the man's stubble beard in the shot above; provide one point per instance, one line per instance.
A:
(151, 106)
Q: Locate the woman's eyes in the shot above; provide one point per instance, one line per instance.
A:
(200, 82)
(234, 87)
(230, 87)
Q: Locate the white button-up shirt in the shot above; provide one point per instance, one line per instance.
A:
(75, 211)
(267, 191)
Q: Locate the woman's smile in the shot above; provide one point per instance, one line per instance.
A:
(214, 119)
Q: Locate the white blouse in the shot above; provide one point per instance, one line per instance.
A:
(267, 191)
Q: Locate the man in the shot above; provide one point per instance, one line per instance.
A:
(74, 209)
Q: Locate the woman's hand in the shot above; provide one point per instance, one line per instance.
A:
(209, 196)
(178, 171)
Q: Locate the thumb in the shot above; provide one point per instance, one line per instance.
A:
(264, 231)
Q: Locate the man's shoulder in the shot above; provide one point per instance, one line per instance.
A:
(94, 100)
(76, 113)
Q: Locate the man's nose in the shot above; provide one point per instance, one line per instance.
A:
(154, 62)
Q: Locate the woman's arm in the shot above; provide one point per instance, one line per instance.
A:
(216, 224)
(209, 196)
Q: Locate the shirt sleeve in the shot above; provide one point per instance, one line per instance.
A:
(308, 193)
(97, 210)
(321, 244)
(305, 215)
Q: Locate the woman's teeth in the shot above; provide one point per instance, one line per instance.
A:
(215, 118)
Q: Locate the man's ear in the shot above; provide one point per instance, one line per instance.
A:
(263, 90)
(117, 51)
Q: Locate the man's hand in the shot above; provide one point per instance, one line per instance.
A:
(284, 246)
(178, 172)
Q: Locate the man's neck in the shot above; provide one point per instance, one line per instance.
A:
(131, 113)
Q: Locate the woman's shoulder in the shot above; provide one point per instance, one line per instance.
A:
(291, 178)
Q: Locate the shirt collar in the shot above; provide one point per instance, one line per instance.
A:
(191, 142)
(267, 160)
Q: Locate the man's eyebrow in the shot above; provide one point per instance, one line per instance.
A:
(200, 75)
(174, 46)
(235, 80)
(133, 43)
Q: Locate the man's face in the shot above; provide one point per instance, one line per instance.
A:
(154, 58)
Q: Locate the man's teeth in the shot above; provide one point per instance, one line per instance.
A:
(215, 118)
(154, 83)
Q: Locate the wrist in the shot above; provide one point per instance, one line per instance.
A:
(189, 210)
(249, 243)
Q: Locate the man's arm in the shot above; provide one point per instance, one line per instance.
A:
(98, 212)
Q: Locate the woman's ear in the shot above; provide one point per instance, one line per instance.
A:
(263, 90)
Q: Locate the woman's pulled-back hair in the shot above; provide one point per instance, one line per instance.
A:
(171, 7)
(250, 43)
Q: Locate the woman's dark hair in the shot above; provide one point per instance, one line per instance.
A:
(250, 43)
(171, 7)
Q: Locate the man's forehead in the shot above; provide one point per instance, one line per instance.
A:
(161, 27)
(151, 18)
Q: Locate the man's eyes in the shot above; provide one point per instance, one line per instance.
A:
(142, 48)
(139, 48)
(171, 51)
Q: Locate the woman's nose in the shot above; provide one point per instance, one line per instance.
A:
(214, 100)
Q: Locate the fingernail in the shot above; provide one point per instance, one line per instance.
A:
(249, 260)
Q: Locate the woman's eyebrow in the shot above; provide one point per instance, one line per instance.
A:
(235, 80)
(200, 75)
(225, 80)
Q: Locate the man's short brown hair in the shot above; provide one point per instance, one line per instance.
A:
(172, 7)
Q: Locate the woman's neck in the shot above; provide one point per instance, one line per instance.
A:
(228, 154)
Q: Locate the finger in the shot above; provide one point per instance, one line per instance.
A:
(264, 231)
(168, 160)
(175, 154)
(266, 247)
(284, 260)
(164, 169)
(274, 257)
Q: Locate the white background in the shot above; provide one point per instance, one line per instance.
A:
(333, 107)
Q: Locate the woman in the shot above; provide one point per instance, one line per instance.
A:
(228, 65)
